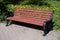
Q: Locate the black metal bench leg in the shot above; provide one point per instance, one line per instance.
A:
(6, 22)
(44, 29)
(0, 20)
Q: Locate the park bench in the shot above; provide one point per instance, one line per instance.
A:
(31, 16)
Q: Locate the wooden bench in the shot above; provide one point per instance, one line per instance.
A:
(31, 16)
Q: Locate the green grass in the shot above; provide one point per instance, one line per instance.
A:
(56, 15)
(54, 5)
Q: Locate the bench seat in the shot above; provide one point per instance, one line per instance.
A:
(27, 20)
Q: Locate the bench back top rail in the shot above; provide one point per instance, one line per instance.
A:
(33, 13)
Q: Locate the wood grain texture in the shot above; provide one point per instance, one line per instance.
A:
(33, 13)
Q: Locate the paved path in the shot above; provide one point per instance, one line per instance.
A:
(16, 32)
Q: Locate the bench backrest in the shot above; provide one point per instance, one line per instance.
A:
(33, 13)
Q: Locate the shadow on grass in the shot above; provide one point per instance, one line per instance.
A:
(49, 26)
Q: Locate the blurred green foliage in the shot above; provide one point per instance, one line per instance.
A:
(10, 5)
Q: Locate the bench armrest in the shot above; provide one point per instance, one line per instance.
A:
(9, 14)
(51, 16)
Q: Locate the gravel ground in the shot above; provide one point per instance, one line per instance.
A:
(16, 32)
